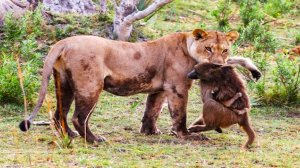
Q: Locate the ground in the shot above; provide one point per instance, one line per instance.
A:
(119, 120)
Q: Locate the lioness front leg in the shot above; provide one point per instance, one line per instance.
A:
(152, 111)
(83, 109)
(177, 102)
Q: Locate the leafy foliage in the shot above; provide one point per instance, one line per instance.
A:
(280, 83)
(259, 36)
(222, 14)
(20, 41)
(297, 39)
(276, 8)
(250, 10)
(143, 4)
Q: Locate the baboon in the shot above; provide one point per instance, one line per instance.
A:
(223, 95)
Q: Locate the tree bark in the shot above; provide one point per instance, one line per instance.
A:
(103, 6)
(70, 6)
(126, 14)
(16, 7)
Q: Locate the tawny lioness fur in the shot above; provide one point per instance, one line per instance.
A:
(84, 66)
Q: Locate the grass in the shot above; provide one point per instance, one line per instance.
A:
(119, 118)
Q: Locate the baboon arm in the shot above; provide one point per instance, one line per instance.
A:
(207, 95)
(229, 102)
(241, 112)
(246, 63)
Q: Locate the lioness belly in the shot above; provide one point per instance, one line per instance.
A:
(141, 83)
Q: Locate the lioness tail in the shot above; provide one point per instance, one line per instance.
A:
(51, 58)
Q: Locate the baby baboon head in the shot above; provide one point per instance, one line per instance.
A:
(210, 72)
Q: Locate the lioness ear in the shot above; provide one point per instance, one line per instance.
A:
(199, 34)
(232, 36)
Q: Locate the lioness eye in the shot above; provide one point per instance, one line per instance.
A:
(224, 51)
(208, 49)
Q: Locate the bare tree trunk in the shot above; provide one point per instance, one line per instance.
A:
(70, 6)
(103, 6)
(16, 7)
(126, 13)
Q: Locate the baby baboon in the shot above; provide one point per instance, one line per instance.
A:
(225, 99)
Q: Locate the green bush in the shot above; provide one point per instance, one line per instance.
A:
(20, 40)
(222, 14)
(259, 36)
(143, 4)
(286, 76)
(280, 83)
(10, 90)
(250, 10)
(297, 39)
(276, 8)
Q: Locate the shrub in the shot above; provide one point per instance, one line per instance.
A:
(280, 83)
(20, 41)
(222, 14)
(259, 36)
(276, 8)
(10, 90)
(250, 10)
(297, 39)
(286, 75)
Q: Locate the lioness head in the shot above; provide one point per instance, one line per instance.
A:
(211, 46)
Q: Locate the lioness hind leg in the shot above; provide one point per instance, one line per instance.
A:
(84, 107)
(65, 97)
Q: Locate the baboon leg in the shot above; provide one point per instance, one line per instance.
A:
(249, 130)
(229, 102)
(198, 121)
(153, 108)
(84, 106)
(200, 128)
(64, 97)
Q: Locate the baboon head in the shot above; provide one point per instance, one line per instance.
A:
(210, 72)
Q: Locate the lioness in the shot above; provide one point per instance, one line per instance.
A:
(84, 66)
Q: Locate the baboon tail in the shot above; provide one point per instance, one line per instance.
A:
(51, 58)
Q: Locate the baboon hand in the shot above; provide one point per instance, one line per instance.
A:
(256, 74)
